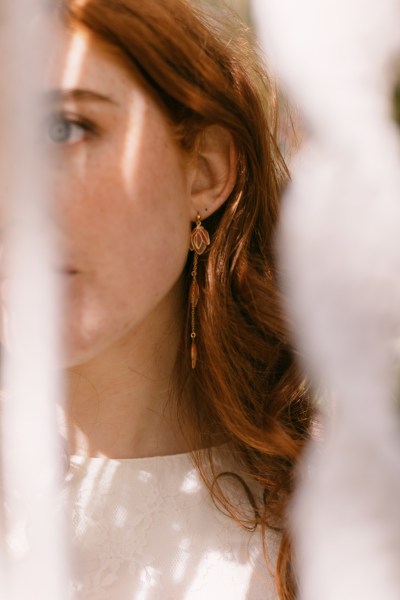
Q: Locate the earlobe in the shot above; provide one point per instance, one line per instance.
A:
(214, 170)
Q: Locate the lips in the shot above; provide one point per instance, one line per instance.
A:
(68, 270)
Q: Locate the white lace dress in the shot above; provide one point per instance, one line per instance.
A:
(147, 529)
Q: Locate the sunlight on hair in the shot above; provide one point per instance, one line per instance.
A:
(339, 247)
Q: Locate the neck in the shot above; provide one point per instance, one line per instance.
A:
(119, 403)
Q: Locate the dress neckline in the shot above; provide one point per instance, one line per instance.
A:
(79, 459)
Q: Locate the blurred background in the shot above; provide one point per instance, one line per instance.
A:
(289, 115)
(242, 7)
(290, 130)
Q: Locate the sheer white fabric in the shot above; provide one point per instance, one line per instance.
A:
(147, 529)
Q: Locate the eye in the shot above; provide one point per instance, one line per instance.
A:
(66, 130)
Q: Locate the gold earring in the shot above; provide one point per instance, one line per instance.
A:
(199, 240)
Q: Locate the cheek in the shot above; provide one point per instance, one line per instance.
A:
(132, 245)
(142, 203)
(141, 222)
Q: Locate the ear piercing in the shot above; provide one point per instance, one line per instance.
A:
(199, 241)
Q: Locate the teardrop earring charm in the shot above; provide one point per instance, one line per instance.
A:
(199, 241)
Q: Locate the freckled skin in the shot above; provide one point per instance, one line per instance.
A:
(123, 208)
(123, 203)
(124, 196)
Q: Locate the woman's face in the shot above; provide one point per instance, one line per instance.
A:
(121, 191)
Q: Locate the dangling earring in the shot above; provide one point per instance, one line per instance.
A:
(199, 240)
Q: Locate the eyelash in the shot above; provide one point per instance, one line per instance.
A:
(88, 126)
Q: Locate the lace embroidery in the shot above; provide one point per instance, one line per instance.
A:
(147, 529)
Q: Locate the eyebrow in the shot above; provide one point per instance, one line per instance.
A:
(59, 95)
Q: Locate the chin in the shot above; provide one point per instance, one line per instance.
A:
(81, 347)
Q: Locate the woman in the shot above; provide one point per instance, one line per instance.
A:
(167, 177)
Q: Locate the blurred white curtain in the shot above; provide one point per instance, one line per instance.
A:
(340, 252)
(33, 557)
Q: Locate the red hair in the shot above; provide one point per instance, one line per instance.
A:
(247, 388)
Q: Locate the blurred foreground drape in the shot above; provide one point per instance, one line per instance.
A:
(33, 560)
(340, 253)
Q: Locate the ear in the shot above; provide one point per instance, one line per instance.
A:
(214, 171)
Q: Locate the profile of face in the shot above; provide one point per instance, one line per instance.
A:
(124, 194)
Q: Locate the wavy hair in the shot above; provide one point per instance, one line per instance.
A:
(247, 388)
